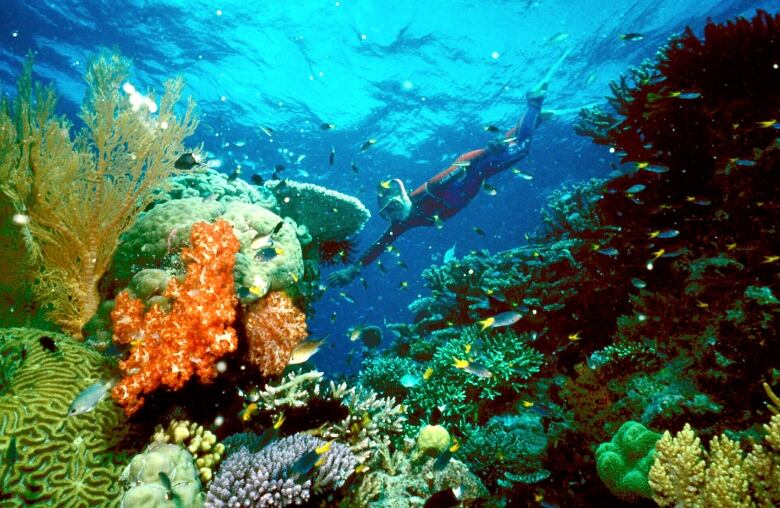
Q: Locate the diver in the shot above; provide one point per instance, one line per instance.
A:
(444, 195)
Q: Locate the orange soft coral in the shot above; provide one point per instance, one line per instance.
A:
(168, 348)
(274, 326)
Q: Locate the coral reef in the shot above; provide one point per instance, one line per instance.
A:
(267, 478)
(685, 474)
(78, 194)
(62, 460)
(273, 326)
(168, 348)
(328, 215)
(210, 184)
(398, 481)
(142, 479)
(201, 443)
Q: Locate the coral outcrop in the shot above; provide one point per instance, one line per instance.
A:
(167, 348)
(201, 443)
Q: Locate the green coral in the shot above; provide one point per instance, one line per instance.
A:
(144, 487)
(214, 186)
(624, 463)
(383, 374)
(63, 461)
(508, 449)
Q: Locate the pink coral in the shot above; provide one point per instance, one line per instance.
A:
(274, 326)
(167, 348)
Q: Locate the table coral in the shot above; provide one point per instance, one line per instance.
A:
(63, 461)
(168, 348)
(274, 326)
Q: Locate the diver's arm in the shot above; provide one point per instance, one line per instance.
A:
(345, 275)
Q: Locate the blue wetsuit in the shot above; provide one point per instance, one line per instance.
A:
(448, 192)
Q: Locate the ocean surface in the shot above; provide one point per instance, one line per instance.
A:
(423, 79)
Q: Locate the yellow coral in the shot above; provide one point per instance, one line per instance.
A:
(684, 474)
(201, 443)
(77, 196)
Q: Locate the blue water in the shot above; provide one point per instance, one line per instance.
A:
(421, 77)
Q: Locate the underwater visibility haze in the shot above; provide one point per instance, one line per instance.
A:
(356, 254)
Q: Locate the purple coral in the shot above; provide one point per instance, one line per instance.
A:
(263, 478)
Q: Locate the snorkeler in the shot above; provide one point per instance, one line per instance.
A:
(448, 192)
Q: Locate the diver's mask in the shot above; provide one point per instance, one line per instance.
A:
(394, 202)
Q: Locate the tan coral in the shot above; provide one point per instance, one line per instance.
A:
(201, 443)
(274, 326)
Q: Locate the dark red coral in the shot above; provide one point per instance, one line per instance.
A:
(337, 252)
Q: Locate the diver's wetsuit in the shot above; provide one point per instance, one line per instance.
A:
(448, 192)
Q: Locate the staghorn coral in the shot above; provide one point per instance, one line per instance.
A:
(81, 194)
(685, 474)
(265, 478)
(199, 442)
(63, 461)
(291, 391)
(168, 348)
(274, 326)
(143, 487)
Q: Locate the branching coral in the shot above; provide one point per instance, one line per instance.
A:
(169, 347)
(274, 326)
(684, 474)
(267, 478)
(78, 196)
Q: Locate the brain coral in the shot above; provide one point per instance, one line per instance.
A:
(211, 184)
(158, 234)
(62, 461)
(328, 215)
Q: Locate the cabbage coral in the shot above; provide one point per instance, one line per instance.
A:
(77, 195)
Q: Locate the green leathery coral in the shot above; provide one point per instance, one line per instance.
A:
(62, 461)
(623, 463)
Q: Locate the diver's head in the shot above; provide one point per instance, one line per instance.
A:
(394, 202)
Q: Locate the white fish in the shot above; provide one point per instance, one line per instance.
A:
(304, 351)
(450, 254)
(89, 397)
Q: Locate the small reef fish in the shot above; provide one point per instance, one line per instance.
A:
(47, 343)
(474, 368)
(427, 374)
(638, 283)
(608, 251)
(368, 144)
(698, 200)
(404, 285)
(444, 457)
(449, 255)
(310, 460)
(635, 189)
(559, 37)
(491, 128)
(326, 126)
(767, 123)
(385, 184)
(745, 163)
(770, 259)
(410, 381)
(478, 231)
(522, 174)
(304, 351)
(664, 233)
(235, 174)
(438, 222)
(261, 241)
(268, 253)
(346, 297)
(9, 459)
(249, 411)
(332, 156)
(355, 168)
(507, 318)
(655, 168)
(267, 130)
(257, 179)
(684, 95)
(186, 161)
(89, 397)
(632, 36)
(275, 175)
(574, 337)
(270, 435)
(252, 396)
(489, 189)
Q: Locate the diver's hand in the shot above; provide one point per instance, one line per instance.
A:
(344, 276)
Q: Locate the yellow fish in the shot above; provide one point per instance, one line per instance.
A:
(250, 410)
(460, 364)
(279, 421)
(702, 305)
(487, 323)
(455, 446)
(574, 337)
(428, 373)
(256, 291)
(642, 165)
(467, 348)
(385, 184)
(304, 351)
(362, 468)
(528, 403)
(770, 259)
(731, 246)
(767, 123)
(657, 254)
(294, 277)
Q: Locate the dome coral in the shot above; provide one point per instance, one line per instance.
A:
(274, 326)
(167, 348)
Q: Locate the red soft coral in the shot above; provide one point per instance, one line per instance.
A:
(169, 347)
(274, 326)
